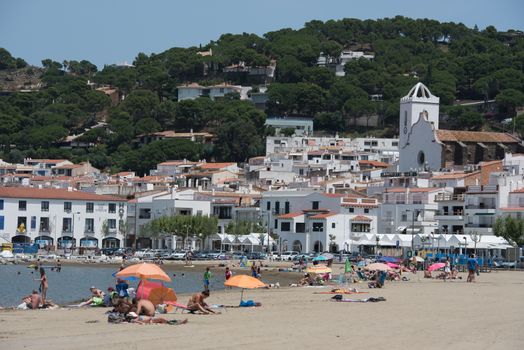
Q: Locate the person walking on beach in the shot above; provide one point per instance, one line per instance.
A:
(472, 268)
(43, 284)
(228, 274)
(207, 278)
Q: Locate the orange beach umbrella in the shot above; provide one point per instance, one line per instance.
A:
(144, 271)
(244, 282)
(162, 295)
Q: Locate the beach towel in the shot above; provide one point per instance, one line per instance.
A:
(339, 298)
(342, 292)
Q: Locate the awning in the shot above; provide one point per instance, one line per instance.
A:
(401, 228)
(482, 145)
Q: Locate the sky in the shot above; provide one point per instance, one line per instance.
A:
(115, 31)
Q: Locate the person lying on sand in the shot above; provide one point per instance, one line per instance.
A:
(197, 303)
(134, 318)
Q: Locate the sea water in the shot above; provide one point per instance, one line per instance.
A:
(73, 282)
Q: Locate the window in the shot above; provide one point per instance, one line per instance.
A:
(1, 222)
(315, 205)
(351, 210)
(90, 226)
(67, 225)
(277, 207)
(286, 208)
(21, 220)
(360, 227)
(111, 223)
(68, 206)
(112, 208)
(300, 227)
(276, 224)
(268, 205)
(90, 207)
(366, 211)
(394, 143)
(44, 206)
(333, 225)
(318, 227)
(44, 224)
(222, 212)
(1, 204)
(33, 222)
(22, 205)
(285, 226)
(144, 213)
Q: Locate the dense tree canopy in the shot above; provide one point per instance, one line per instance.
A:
(456, 62)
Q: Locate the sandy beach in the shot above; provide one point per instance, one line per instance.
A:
(428, 314)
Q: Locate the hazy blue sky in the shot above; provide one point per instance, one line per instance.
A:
(111, 31)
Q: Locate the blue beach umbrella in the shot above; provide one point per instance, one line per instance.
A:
(320, 258)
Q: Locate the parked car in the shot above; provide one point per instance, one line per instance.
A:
(180, 255)
(288, 256)
(302, 256)
(223, 256)
(109, 251)
(213, 255)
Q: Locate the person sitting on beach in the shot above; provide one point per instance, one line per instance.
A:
(97, 298)
(145, 307)
(306, 280)
(110, 297)
(32, 301)
(427, 274)
(124, 306)
(197, 303)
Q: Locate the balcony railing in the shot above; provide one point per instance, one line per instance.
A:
(480, 206)
(442, 197)
(450, 213)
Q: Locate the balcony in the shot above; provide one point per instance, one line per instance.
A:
(449, 215)
(447, 197)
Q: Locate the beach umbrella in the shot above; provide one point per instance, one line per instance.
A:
(244, 282)
(418, 258)
(320, 258)
(436, 266)
(393, 266)
(319, 269)
(378, 267)
(162, 295)
(328, 256)
(144, 271)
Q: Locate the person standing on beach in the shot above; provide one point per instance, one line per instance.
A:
(472, 268)
(43, 284)
(228, 274)
(58, 266)
(207, 278)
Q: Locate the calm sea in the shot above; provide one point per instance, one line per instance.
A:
(73, 282)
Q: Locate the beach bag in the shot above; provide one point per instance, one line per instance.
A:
(115, 317)
(337, 297)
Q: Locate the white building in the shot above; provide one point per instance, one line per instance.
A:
(61, 217)
(301, 126)
(194, 90)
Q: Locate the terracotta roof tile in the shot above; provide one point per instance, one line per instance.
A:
(361, 218)
(474, 136)
(374, 163)
(215, 165)
(457, 175)
(322, 216)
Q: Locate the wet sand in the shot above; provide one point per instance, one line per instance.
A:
(426, 314)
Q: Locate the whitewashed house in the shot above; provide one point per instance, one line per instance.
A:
(61, 217)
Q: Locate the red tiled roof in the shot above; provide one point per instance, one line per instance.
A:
(215, 165)
(322, 216)
(374, 163)
(457, 175)
(53, 193)
(334, 195)
(290, 215)
(361, 218)
(46, 160)
(474, 136)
